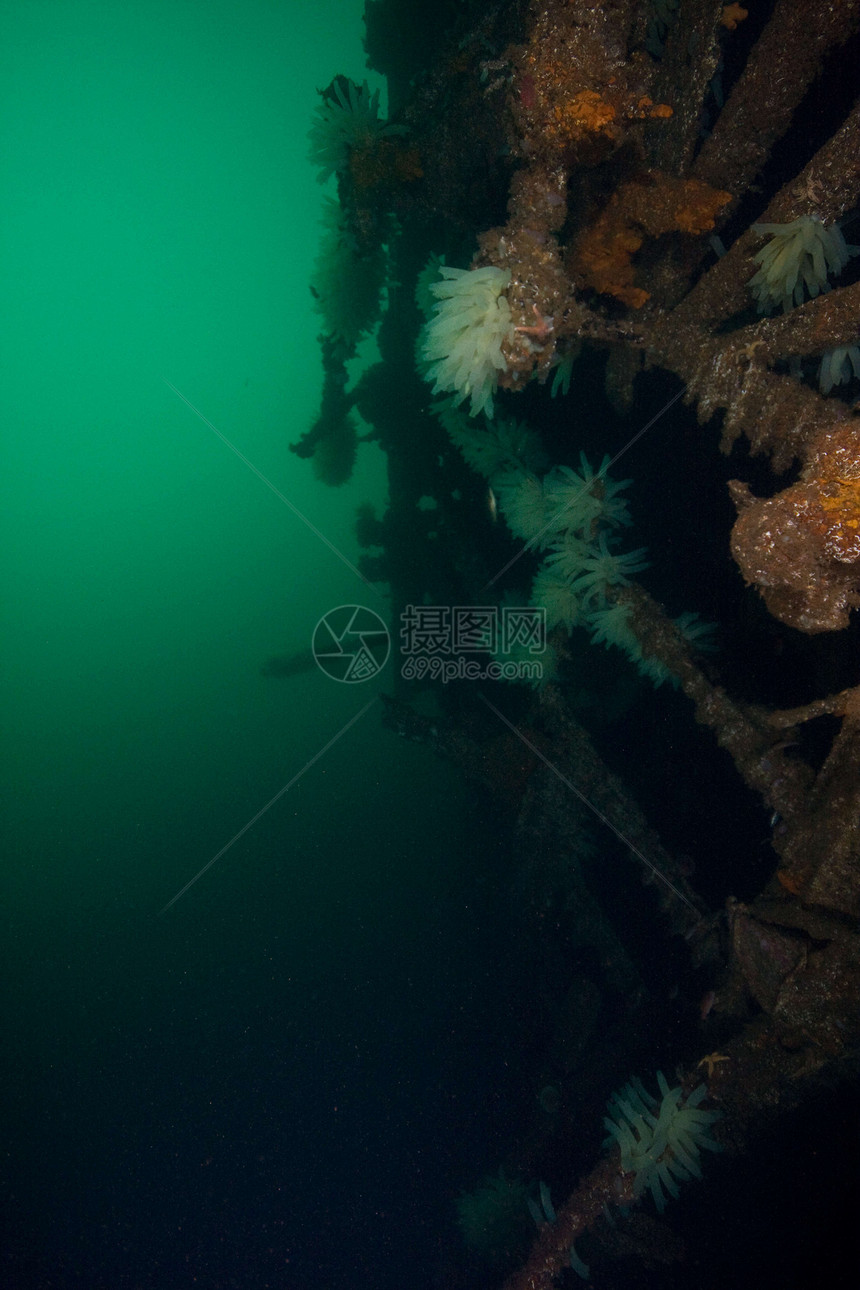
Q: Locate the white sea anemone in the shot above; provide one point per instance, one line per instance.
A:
(603, 569)
(521, 500)
(569, 556)
(611, 626)
(580, 502)
(560, 602)
(660, 1141)
(796, 261)
(462, 341)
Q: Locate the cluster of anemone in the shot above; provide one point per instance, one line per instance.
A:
(575, 518)
(564, 507)
(660, 1141)
(796, 264)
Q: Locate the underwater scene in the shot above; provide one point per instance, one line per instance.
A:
(430, 547)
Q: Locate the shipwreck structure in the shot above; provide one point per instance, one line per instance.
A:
(668, 193)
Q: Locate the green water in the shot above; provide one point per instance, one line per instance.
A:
(158, 224)
(159, 221)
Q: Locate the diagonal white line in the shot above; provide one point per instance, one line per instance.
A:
(649, 864)
(263, 809)
(299, 515)
(532, 542)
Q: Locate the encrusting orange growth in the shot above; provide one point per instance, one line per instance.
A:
(791, 882)
(693, 206)
(732, 15)
(591, 114)
(839, 521)
(654, 111)
(603, 258)
(801, 548)
(586, 111)
(576, 93)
